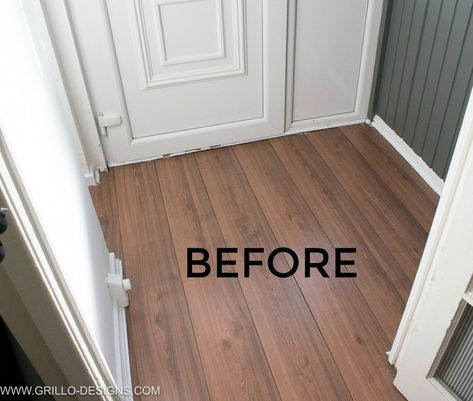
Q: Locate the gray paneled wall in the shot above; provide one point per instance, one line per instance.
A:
(426, 75)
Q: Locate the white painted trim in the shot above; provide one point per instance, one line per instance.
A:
(71, 78)
(290, 63)
(123, 373)
(374, 15)
(79, 346)
(58, 306)
(318, 124)
(460, 156)
(416, 162)
(90, 179)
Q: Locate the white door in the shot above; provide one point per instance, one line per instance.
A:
(193, 73)
(436, 358)
(48, 198)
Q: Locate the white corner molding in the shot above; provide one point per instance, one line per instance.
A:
(416, 162)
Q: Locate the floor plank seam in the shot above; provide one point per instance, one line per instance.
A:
(354, 201)
(296, 282)
(382, 182)
(328, 237)
(380, 178)
(239, 283)
(181, 281)
(330, 241)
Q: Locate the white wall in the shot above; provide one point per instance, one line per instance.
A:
(87, 138)
(37, 132)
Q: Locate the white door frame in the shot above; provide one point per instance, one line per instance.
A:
(443, 284)
(112, 98)
(455, 173)
(32, 269)
(38, 259)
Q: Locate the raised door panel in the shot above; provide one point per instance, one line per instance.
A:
(179, 58)
(190, 40)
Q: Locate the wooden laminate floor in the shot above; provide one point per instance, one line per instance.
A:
(265, 338)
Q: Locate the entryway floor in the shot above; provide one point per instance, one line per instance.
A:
(265, 338)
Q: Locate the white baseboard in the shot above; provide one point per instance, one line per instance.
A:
(123, 373)
(416, 162)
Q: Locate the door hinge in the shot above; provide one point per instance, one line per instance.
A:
(108, 120)
(117, 285)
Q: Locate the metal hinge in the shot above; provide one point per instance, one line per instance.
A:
(108, 120)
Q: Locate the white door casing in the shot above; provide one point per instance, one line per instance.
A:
(443, 282)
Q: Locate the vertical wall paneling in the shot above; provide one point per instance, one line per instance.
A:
(390, 56)
(447, 77)
(410, 62)
(400, 61)
(426, 75)
(453, 114)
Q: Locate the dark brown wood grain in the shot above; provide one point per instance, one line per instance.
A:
(265, 338)
(105, 202)
(403, 181)
(299, 358)
(160, 327)
(373, 197)
(380, 275)
(355, 339)
(192, 219)
(233, 358)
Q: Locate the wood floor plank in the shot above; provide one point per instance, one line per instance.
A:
(298, 356)
(344, 224)
(160, 327)
(356, 340)
(386, 214)
(403, 181)
(234, 361)
(105, 203)
(193, 223)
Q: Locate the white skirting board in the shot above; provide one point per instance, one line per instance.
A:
(416, 162)
(123, 373)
